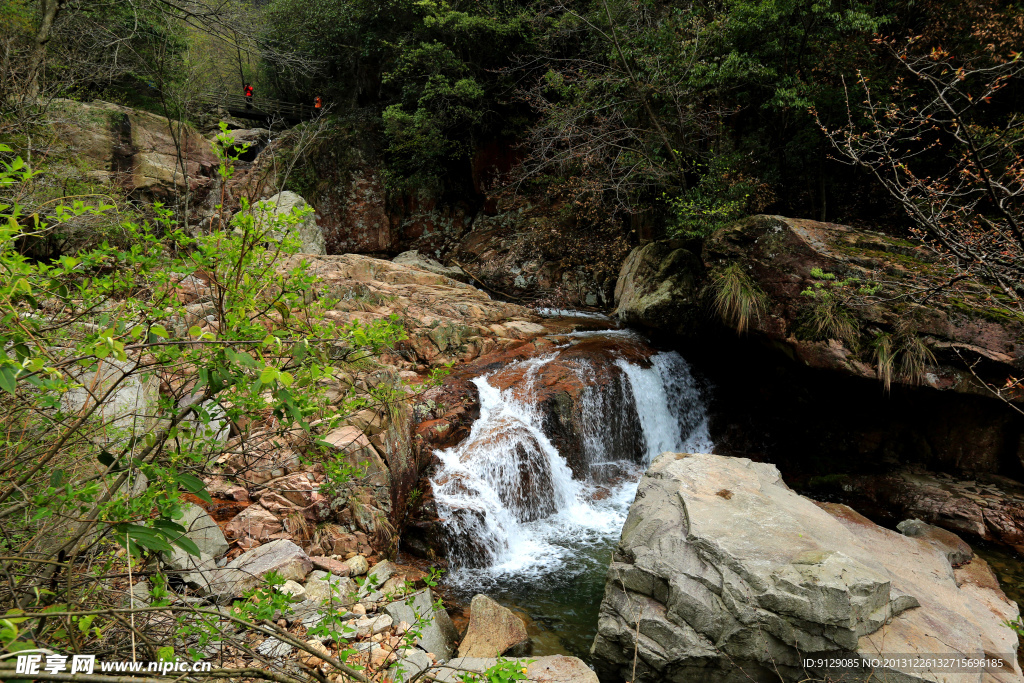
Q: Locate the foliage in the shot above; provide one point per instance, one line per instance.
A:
(503, 671)
(112, 400)
(736, 298)
(902, 355)
(829, 316)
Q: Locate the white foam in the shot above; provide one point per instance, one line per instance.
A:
(479, 485)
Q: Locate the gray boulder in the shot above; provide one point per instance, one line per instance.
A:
(437, 633)
(247, 570)
(414, 259)
(732, 576)
(203, 531)
(307, 230)
(411, 662)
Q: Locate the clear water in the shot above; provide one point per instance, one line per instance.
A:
(528, 533)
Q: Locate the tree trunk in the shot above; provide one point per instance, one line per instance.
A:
(48, 14)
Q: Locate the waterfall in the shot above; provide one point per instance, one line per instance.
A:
(508, 499)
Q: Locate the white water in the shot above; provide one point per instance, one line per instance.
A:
(507, 497)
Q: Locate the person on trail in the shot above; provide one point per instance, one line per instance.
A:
(247, 91)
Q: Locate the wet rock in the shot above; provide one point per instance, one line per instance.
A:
(437, 633)
(948, 503)
(414, 259)
(247, 570)
(718, 554)
(307, 230)
(551, 669)
(493, 630)
(255, 522)
(952, 545)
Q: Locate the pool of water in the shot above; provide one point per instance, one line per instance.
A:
(560, 608)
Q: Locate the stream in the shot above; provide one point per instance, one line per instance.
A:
(527, 531)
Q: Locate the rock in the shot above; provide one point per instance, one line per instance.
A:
(778, 255)
(946, 502)
(307, 230)
(209, 424)
(952, 545)
(381, 572)
(246, 571)
(327, 564)
(371, 626)
(414, 259)
(411, 662)
(274, 648)
(360, 453)
(255, 522)
(129, 408)
(310, 660)
(134, 149)
(550, 669)
(322, 587)
(196, 572)
(357, 566)
(445, 320)
(299, 489)
(335, 541)
(719, 557)
(257, 458)
(437, 633)
(493, 630)
(658, 286)
(203, 531)
(295, 591)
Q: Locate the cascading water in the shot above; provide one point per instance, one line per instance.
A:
(522, 519)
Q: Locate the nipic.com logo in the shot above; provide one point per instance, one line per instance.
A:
(86, 664)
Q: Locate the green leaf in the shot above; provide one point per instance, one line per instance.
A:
(193, 485)
(143, 536)
(8, 379)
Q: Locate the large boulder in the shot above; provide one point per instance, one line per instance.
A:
(134, 150)
(445, 320)
(493, 630)
(659, 287)
(729, 575)
(306, 229)
(871, 275)
(247, 570)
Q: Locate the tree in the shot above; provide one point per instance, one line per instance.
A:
(945, 145)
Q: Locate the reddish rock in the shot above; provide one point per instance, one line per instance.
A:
(336, 567)
(255, 522)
